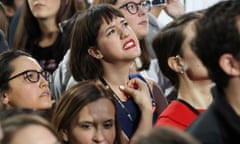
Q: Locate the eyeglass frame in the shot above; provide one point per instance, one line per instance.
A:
(137, 5)
(45, 74)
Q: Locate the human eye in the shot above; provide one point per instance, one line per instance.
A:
(145, 3)
(124, 24)
(85, 126)
(131, 6)
(46, 75)
(108, 124)
(32, 75)
(110, 32)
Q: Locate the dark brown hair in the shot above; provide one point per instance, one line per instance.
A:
(168, 42)
(28, 26)
(84, 35)
(145, 55)
(77, 97)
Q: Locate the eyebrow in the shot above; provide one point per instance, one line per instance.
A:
(108, 28)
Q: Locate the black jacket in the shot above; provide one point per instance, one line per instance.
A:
(219, 124)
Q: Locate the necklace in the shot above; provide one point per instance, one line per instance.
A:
(117, 99)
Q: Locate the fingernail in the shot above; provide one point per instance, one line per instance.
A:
(121, 87)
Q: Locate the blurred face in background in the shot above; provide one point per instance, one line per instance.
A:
(44, 9)
(136, 13)
(95, 123)
(34, 134)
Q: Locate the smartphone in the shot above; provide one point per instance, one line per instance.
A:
(159, 2)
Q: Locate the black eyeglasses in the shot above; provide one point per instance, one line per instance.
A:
(133, 7)
(33, 75)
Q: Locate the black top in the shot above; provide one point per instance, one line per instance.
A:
(46, 56)
(219, 124)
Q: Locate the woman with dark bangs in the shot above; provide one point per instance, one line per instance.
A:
(103, 48)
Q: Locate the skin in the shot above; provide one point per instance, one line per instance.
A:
(95, 123)
(34, 134)
(44, 9)
(194, 83)
(117, 34)
(138, 21)
(173, 8)
(10, 10)
(45, 12)
(23, 93)
(116, 63)
(196, 71)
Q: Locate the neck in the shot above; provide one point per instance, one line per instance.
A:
(116, 74)
(48, 26)
(49, 31)
(196, 93)
(233, 94)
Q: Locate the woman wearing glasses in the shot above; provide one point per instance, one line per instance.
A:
(23, 83)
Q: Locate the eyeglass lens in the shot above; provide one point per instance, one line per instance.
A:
(34, 76)
(133, 7)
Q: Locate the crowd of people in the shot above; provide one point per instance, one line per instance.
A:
(74, 72)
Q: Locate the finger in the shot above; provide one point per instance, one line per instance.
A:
(127, 90)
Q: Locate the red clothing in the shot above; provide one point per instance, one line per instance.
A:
(178, 114)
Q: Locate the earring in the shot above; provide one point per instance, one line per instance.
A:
(182, 69)
(99, 56)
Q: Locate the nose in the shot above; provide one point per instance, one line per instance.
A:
(124, 32)
(43, 81)
(141, 10)
(98, 136)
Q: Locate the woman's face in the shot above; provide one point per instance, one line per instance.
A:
(95, 123)
(196, 71)
(117, 42)
(34, 134)
(139, 20)
(22, 92)
(44, 9)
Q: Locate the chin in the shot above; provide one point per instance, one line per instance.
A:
(47, 105)
(142, 35)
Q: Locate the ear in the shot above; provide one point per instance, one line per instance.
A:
(176, 64)
(4, 98)
(229, 65)
(96, 53)
(64, 135)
